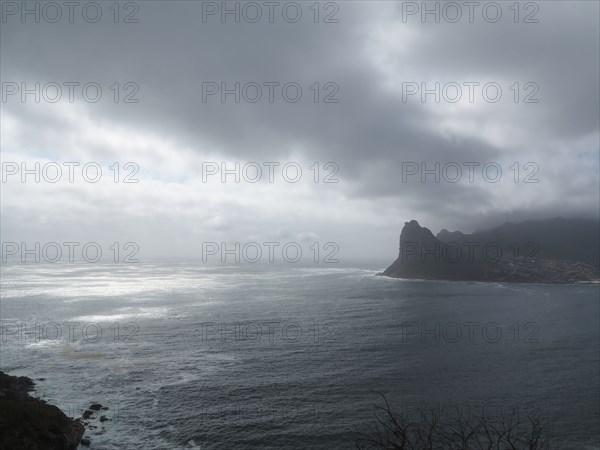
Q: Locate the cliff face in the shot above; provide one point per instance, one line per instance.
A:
(423, 256)
(30, 423)
(497, 255)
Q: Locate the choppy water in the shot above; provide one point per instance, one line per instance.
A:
(290, 357)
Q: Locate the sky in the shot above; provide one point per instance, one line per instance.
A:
(340, 120)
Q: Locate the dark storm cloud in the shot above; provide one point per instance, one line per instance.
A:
(371, 131)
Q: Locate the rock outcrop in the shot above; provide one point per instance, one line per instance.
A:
(487, 256)
(30, 423)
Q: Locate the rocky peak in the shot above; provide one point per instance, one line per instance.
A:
(414, 233)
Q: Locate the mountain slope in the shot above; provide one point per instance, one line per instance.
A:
(553, 251)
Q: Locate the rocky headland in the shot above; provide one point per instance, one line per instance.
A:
(30, 423)
(510, 253)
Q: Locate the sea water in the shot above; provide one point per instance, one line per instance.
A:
(192, 356)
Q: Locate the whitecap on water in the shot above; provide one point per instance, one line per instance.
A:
(124, 314)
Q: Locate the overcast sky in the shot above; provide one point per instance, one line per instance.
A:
(367, 59)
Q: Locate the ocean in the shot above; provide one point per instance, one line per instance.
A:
(190, 356)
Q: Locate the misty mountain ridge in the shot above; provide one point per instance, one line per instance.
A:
(556, 238)
(555, 250)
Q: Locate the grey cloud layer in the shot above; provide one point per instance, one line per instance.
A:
(370, 132)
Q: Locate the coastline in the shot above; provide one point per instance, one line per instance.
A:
(574, 282)
(29, 422)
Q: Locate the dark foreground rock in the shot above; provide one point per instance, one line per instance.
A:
(30, 423)
(425, 256)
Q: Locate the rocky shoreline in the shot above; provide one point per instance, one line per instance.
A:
(30, 423)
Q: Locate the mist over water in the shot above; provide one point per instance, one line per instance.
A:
(194, 356)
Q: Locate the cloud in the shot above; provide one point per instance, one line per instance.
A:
(370, 134)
